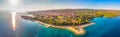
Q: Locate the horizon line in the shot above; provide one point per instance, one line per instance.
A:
(59, 8)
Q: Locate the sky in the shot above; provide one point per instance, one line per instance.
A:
(33, 5)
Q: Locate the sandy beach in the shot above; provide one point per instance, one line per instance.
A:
(79, 31)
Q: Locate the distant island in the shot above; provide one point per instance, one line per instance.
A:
(74, 20)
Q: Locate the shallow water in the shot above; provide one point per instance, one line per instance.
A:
(104, 27)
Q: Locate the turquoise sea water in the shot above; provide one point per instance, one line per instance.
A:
(104, 27)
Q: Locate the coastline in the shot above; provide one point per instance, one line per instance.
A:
(79, 31)
(67, 16)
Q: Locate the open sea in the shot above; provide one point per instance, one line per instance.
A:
(103, 27)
